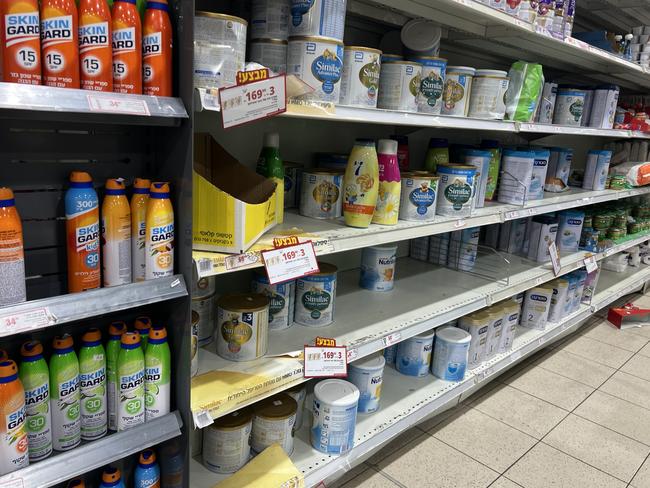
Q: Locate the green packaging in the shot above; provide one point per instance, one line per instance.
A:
(64, 395)
(115, 332)
(157, 361)
(92, 381)
(130, 378)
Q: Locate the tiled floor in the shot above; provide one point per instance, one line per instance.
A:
(574, 415)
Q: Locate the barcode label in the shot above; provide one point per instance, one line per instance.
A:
(205, 265)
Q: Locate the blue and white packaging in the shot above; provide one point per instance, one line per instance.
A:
(569, 230)
(581, 276)
(335, 416)
(378, 268)
(480, 159)
(367, 375)
(439, 248)
(596, 170)
(537, 304)
(414, 355)
(560, 301)
(538, 177)
(515, 176)
(390, 353)
(463, 249)
(450, 354)
(559, 169)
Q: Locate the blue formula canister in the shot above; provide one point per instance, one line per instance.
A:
(389, 354)
(335, 416)
(450, 354)
(367, 375)
(414, 355)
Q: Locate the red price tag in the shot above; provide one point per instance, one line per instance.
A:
(241, 104)
(27, 320)
(325, 362)
(291, 262)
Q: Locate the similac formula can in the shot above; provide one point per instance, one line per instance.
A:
(315, 297)
(569, 106)
(604, 106)
(92, 383)
(116, 235)
(281, 299)
(439, 248)
(157, 50)
(12, 254)
(511, 311)
(547, 103)
(335, 416)
(516, 174)
(390, 353)
(538, 177)
(321, 194)
(273, 422)
(127, 47)
(13, 433)
(559, 168)
(95, 49)
(543, 231)
(242, 326)
(271, 53)
(569, 230)
(317, 18)
(378, 268)
(298, 393)
(64, 395)
(367, 375)
(270, 19)
(130, 382)
(292, 184)
(456, 94)
(537, 303)
(596, 170)
(456, 187)
(419, 248)
(399, 83)
(463, 248)
(481, 160)
(360, 79)
(194, 346)
(157, 374)
(21, 42)
(206, 309)
(159, 225)
(115, 331)
(487, 97)
(419, 196)
(559, 300)
(226, 442)
(414, 355)
(451, 353)
(60, 43)
(318, 61)
(478, 325)
(139, 202)
(432, 83)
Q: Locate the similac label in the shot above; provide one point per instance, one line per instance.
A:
(13, 441)
(160, 255)
(21, 51)
(93, 398)
(37, 404)
(131, 398)
(157, 391)
(95, 54)
(66, 421)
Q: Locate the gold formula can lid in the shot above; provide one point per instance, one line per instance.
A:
(243, 302)
(234, 420)
(279, 406)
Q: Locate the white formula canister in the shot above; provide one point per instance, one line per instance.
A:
(450, 354)
(273, 422)
(204, 287)
(494, 332)
(419, 248)
(543, 231)
(596, 170)
(569, 230)
(432, 83)
(603, 108)
(511, 311)
(559, 300)
(569, 106)
(547, 103)
(206, 308)
(463, 248)
(270, 53)
(516, 173)
(335, 416)
(478, 325)
(360, 79)
(242, 326)
(456, 189)
(321, 194)
(298, 393)
(559, 169)
(390, 353)
(486, 101)
(315, 297)
(537, 304)
(219, 49)
(226, 442)
(456, 94)
(194, 351)
(270, 19)
(281, 299)
(367, 375)
(318, 61)
(538, 177)
(414, 355)
(399, 82)
(439, 248)
(292, 184)
(378, 268)
(318, 18)
(480, 159)
(418, 196)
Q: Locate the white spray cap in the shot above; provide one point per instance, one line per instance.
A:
(387, 146)
(271, 139)
(629, 37)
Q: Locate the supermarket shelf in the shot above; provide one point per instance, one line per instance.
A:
(331, 236)
(92, 455)
(407, 401)
(37, 314)
(572, 131)
(64, 104)
(223, 386)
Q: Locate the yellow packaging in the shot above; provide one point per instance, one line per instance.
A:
(232, 205)
(116, 235)
(138, 227)
(361, 184)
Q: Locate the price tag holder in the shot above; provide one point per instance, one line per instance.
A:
(202, 419)
(590, 264)
(241, 260)
(326, 362)
(555, 258)
(27, 320)
(391, 339)
(114, 105)
(259, 97)
(11, 481)
(290, 262)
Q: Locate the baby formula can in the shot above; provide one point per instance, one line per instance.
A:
(486, 100)
(463, 249)
(242, 326)
(569, 230)
(116, 235)
(270, 19)
(298, 393)
(419, 196)
(559, 168)
(335, 416)
(516, 174)
(292, 184)
(204, 287)
(194, 344)
(538, 177)
(318, 61)
(271, 53)
(494, 332)
(219, 49)
(414, 355)
(456, 94)
(281, 299)
(586, 111)
(378, 268)
(511, 311)
(315, 297)
(547, 103)
(537, 304)
(439, 248)
(13, 443)
(273, 422)
(360, 79)
(205, 307)
(432, 83)
(569, 106)
(367, 375)
(317, 18)
(481, 160)
(512, 235)
(581, 278)
(456, 188)
(399, 82)
(604, 106)
(226, 442)
(559, 300)
(390, 353)
(450, 354)
(572, 278)
(596, 170)
(543, 231)
(419, 248)
(321, 194)
(478, 325)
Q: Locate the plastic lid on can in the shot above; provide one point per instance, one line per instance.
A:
(31, 349)
(117, 328)
(454, 335)
(130, 340)
(111, 476)
(141, 186)
(426, 335)
(384, 248)
(8, 371)
(243, 302)
(463, 70)
(6, 197)
(142, 324)
(335, 392)
(233, 420)
(276, 407)
(436, 142)
(80, 177)
(421, 35)
(158, 335)
(147, 458)
(92, 337)
(371, 363)
(387, 146)
(61, 343)
(491, 72)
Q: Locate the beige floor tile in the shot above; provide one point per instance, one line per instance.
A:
(638, 366)
(520, 410)
(616, 414)
(627, 387)
(485, 439)
(599, 447)
(504, 482)
(397, 443)
(577, 368)
(370, 479)
(604, 332)
(643, 331)
(645, 350)
(547, 385)
(353, 473)
(642, 477)
(430, 423)
(433, 464)
(602, 353)
(544, 467)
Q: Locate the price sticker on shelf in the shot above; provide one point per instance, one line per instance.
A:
(513, 214)
(391, 339)
(258, 96)
(241, 260)
(27, 320)
(290, 262)
(325, 362)
(352, 354)
(459, 223)
(11, 482)
(202, 419)
(113, 105)
(590, 264)
(555, 258)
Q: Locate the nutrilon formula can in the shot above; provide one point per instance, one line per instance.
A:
(318, 61)
(419, 196)
(360, 80)
(315, 297)
(317, 18)
(226, 442)
(399, 83)
(390, 353)
(321, 194)
(457, 188)
(242, 326)
(414, 355)
(367, 375)
(569, 106)
(335, 416)
(378, 268)
(273, 422)
(451, 353)
(488, 91)
(281, 299)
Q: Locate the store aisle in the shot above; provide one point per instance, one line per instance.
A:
(574, 415)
